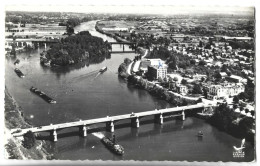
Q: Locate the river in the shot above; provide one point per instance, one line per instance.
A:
(82, 93)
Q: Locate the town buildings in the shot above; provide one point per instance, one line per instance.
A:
(225, 90)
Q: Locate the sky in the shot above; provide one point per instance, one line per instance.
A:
(137, 7)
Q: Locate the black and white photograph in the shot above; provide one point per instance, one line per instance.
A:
(133, 83)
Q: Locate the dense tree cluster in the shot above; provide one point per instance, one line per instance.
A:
(77, 48)
(29, 140)
(248, 94)
(123, 68)
(227, 120)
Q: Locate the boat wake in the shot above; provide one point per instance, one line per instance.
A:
(99, 135)
(82, 77)
(96, 76)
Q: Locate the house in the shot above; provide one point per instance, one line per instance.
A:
(144, 65)
(225, 90)
(155, 72)
(182, 89)
(223, 74)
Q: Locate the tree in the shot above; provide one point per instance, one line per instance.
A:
(160, 79)
(184, 81)
(235, 99)
(228, 73)
(205, 92)
(127, 61)
(235, 107)
(218, 76)
(184, 102)
(197, 89)
(202, 63)
(199, 100)
(223, 117)
(73, 22)
(246, 110)
(175, 79)
(192, 62)
(252, 113)
(224, 68)
(70, 30)
(243, 96)
(241, 108)
(29, 139)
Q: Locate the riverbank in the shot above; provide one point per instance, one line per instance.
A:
(15, 118)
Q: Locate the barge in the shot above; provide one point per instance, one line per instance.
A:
(113, 146)
(19, 73)
(42, 95)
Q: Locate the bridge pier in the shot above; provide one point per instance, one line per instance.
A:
(45, 46)
(135, 122)
(83, 131)
(123, 48)
(110, 126)
(183, 115)
(53, 135)
(158, 118)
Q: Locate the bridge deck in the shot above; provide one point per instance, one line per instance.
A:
(106, 119)
(31, 40)
(122, 42)
(117, 52)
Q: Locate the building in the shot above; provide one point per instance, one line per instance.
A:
(144, 65)
(225, 90)
(155, 72)
(182, 89)
(236, 79)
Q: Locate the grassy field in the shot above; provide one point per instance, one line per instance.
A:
(119, 24)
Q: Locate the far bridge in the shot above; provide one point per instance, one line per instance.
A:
(111, 120)
(41, 41)
(132, 44)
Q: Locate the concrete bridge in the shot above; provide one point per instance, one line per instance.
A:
(9, 41)
(110, 121)
(124, 43)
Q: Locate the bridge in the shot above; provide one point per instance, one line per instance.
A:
(133, 44)
(110, 120)
(18, 41)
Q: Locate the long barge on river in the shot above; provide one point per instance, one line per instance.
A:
(19, 73)
(42, 95)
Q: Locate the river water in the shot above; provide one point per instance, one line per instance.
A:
(82, 93)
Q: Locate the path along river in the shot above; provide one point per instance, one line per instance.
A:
(83, 94)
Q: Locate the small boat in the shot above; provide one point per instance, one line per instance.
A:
(19, 73)
(200, 134)
(17, 61)
(103, 69)
(112, 145)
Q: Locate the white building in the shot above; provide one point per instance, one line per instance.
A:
(225, 90)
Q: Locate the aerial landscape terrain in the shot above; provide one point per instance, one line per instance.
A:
(116, 86)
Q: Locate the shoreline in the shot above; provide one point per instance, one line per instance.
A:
(14, 118)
